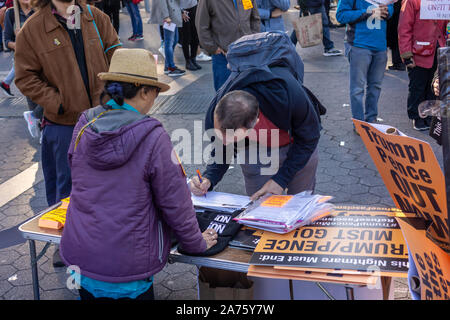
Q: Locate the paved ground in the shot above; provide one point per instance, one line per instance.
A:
(345, 168)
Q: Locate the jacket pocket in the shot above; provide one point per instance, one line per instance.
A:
(423, 48)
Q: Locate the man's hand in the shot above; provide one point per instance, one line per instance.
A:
(276, 13)
(270, 187)
(168, 20)
(197, 188)
(409, 63)
(210, 236)
(436, 87)
(185, 16)
(220, 51)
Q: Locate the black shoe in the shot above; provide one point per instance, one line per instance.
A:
(420, 124)
(57, 261)
(190, 65)
(398, 67)
(194, 62)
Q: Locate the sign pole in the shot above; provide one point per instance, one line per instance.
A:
(444, 96)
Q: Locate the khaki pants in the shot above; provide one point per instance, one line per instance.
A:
(305, 179)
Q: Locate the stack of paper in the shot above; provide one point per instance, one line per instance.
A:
(220, 201)
(284, 213)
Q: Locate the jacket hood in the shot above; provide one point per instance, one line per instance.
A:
(112, 139)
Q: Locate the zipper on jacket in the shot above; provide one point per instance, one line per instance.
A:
(161, 241)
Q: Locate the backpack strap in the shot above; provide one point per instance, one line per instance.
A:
(98, 33)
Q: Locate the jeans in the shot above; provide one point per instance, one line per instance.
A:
(11, 75)
(220, 70)
(55, 165)
(136, 20)
(419, 88)
(326, 40)
(170, 41)
(366, 72)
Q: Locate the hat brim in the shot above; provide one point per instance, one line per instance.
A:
(122, 77)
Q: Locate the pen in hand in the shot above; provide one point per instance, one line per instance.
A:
(200, 177)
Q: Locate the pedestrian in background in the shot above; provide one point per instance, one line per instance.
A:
(188, 34)
(418, 41)
(136, 19)
(34, 115)
(219, 23)
(270, 12)
(365, 48)
(167, 13)
(392, 38)
(112, 9)
(314, 7)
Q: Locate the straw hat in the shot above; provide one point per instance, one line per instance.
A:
(134, 66)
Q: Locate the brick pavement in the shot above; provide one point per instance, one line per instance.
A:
(345, 170)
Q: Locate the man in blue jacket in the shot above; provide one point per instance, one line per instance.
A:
(365, 48)
(270, 12)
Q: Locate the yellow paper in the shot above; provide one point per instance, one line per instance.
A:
(247, 4)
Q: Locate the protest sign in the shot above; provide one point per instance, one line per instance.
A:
(435, 10)
(352, 242)
(432, 263)
(411, 174)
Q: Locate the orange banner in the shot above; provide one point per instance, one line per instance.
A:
(411, 174)
(432, 263)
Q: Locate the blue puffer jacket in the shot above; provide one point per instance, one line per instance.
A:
(265, 7)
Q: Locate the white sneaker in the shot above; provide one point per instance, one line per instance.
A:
(203, 57)
(32, 123)
(161, 50)
(332, 52)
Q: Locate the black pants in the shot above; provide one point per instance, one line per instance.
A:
(420, 81)
(188, 36)
(112, 9)
(86, 295)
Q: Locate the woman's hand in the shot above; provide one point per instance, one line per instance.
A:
(185, 16)
(210, 236)
(436, 87)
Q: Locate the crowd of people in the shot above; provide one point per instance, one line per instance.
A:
(89, 98)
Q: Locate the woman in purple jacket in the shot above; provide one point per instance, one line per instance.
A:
(129, 192)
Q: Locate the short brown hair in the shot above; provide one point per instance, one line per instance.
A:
(237, 109)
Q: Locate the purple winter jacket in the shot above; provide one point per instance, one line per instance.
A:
(128, 192)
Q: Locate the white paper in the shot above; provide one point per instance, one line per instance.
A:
(227, 202)
(435, 10)
(381, 2)
(169, 26)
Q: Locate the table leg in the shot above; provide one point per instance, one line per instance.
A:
(291, 289)
(386, 286)
(34, 270)
(325, 291)
(350, 293)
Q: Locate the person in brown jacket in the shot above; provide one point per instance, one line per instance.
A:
(219, 23)
(59, 52)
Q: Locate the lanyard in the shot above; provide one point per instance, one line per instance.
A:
(125, 106)
(235, 4)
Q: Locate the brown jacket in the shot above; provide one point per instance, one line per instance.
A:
(46, 67)
(219, 23)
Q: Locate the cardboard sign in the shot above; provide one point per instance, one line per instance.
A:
(435, 10)
(411, 174)
(432, 263)
(370, 243)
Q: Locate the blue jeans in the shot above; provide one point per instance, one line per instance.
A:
(366, 72)
(136, 20)
(220, 70)
(170, 41)
(326, 40)
(55, 165)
